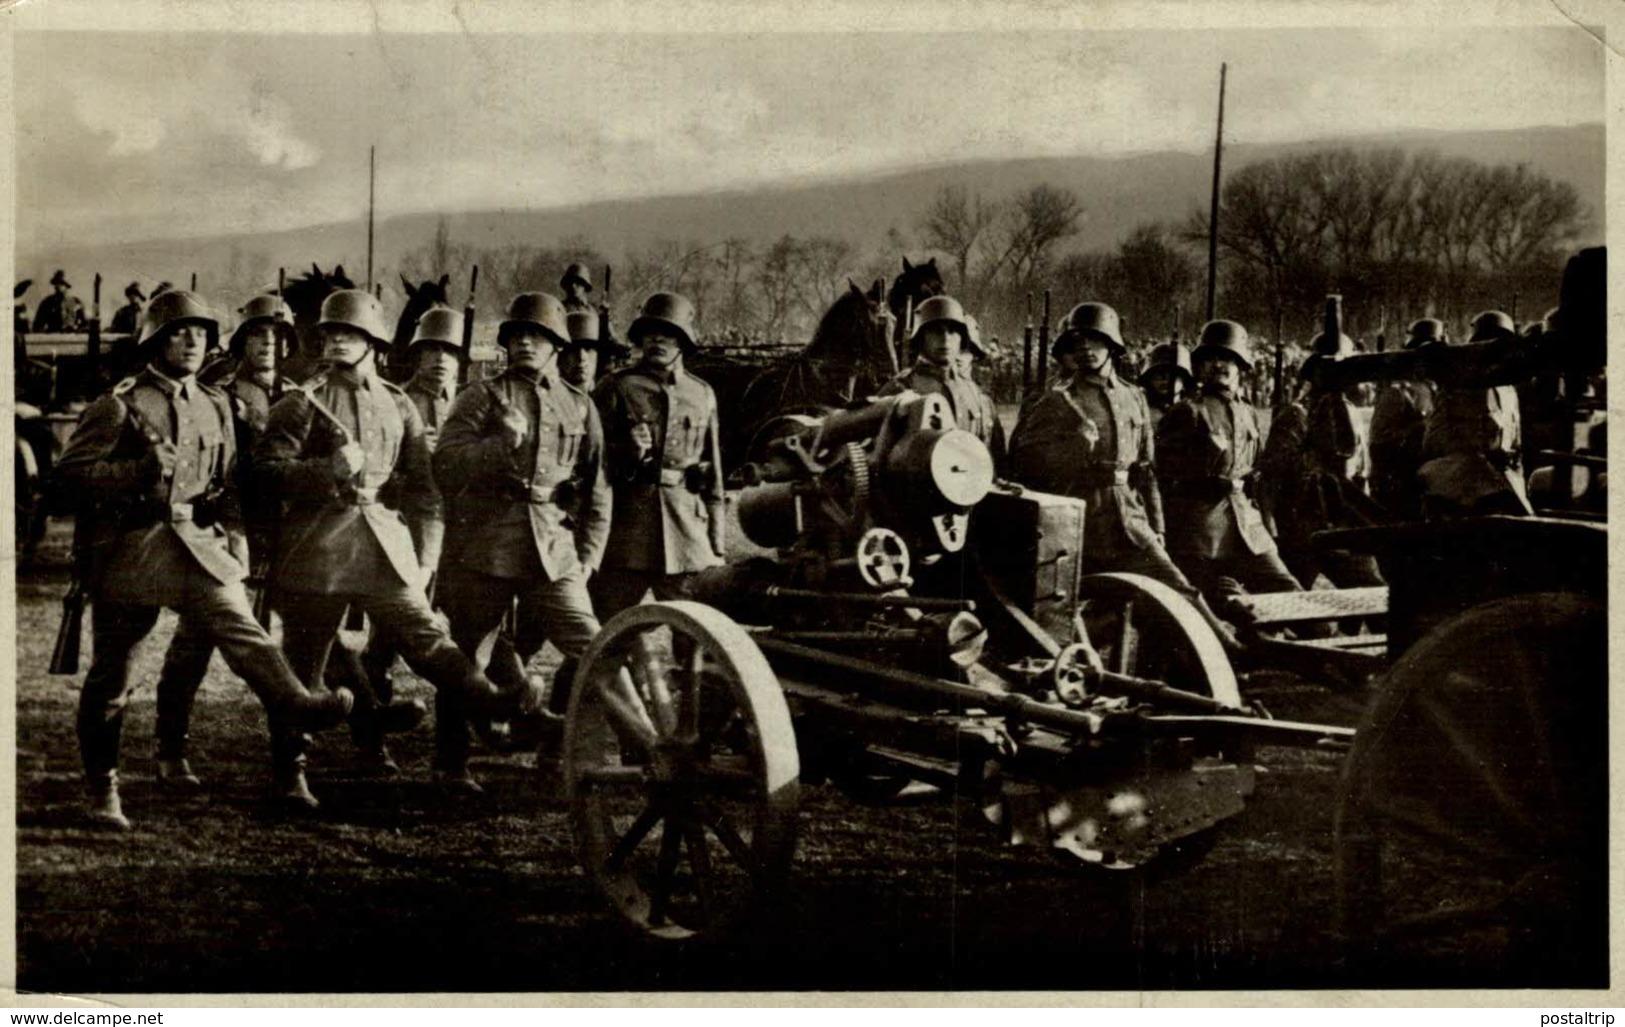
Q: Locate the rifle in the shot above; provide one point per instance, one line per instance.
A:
(354, 618)
(1043, 346)
(464, 372)
(1027, 351)
(93, 348)
(603, 310)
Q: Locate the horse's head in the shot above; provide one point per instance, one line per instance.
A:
(853, 337)
(918, 282)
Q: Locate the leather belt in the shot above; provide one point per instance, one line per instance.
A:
(178, 512)
(1104, 477)
(363, 496)
(665, 477)
(541, 495)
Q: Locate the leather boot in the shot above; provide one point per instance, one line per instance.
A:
(104, 809)
(176, 775)
(289, 701)
(289, 788)
(458, 782)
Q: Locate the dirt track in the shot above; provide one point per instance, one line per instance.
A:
(392, 888)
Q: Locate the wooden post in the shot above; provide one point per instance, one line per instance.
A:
(1213, 205)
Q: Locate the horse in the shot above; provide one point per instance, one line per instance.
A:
(304, 296)
(849, 358)
(420, 299)
(917, 283)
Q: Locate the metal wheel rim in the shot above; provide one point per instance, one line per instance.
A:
(1185, 637)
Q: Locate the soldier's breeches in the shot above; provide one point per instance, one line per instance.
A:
(225, 617)
(116, 630)
(185, 665)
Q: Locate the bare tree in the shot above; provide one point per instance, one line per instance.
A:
(1030, 228)
(954, 223)
(822, 265)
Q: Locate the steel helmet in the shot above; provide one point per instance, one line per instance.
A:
(945, 308)
(577, 273)
(1490, 325)
(1170, 357)
(358, 309)
(1427, 331)
(1225, 339)
(583, 327)
(177, 307)
(267, 307)
(1095, 319)
(536, 310)
(665, 310)
(1324, 345)
(439, 326)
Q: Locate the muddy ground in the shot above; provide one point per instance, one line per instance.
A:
(392, 888)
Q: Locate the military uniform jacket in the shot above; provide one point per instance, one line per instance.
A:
(148, 548)
(59, 314)
(546, 502)
(973, 411)
(1207, 447)
(669, 503)
(251, 398)
(433, 406)
(126, 319)
(1093, 442)
(354, 537)
(1471, 444)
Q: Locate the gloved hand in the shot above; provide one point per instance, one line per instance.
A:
(511, 422)
(347, 460)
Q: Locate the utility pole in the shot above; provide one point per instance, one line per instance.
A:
(1213, 206)
(372, 179)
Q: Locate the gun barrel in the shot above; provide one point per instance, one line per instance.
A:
(870, 599)
(65, 653)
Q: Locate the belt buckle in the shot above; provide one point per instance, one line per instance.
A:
(366, 496)
(180, 512)
(1119, 477)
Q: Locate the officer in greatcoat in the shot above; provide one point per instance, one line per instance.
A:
(1398, 422)
(61, 311)
(1208, 446)
(1315, 474)
(664, 458)
(1472, 443)
(154, 464)
(521, 460)
(1092, 440)
(347, 454)
(941, 332)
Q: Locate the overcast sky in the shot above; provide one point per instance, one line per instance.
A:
(122, 135)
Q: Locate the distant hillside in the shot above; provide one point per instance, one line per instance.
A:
(1118, 194)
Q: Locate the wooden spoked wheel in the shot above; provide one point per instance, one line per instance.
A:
(1471, 826)
(681, 769)
(1141, 627)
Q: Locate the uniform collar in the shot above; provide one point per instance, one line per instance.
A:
(540, 379)
(670, 376)
(185, 387)
(942, 372)
(423, 387)
(353, 377)
(1107, 379)
(264, 379)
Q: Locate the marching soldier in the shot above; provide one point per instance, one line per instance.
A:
(334, 449)
(1092, 440)
(1472, 443)
(158, 454)
(437, 347)
(1209, 444)
(61, 311)
(251, 388)
(941, 332)
(127, 319)
(1397, 424)
(1166, 378)
(664, 459)
(579, 363)
(523, 455)
(576, 283)
(1315, 475)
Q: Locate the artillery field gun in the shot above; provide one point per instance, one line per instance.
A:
(920, 624)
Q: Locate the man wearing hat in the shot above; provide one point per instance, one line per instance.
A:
(61, 311)
(1397, 422)
(941, 332)
(1472, 442)
(579, 363)
(523, 453)
(127, 319)
(336, 450)
(576, 283)
(664, 456)
(1315, 473)
(1091, 439)
(1208, 445)
(154, 462)
(251, 386)
(1166, 378)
